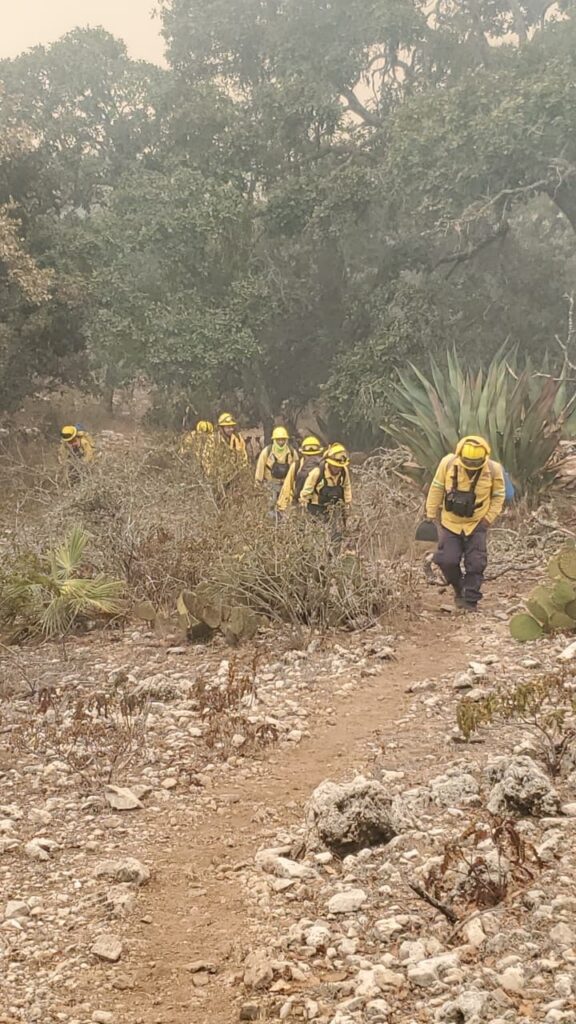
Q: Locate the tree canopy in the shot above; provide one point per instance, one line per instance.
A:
(311, 194)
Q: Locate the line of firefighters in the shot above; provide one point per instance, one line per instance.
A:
(314, 476)
(465, 498)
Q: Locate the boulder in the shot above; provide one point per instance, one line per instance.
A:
(351, 816)
(520, 787)
(454, 788)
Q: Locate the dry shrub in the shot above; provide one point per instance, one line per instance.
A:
(157, 522)
(483, 865)
(546, 707)
(96, 735)
(226, 705)
(388, 506)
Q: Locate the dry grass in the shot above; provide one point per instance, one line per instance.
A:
(156, 522)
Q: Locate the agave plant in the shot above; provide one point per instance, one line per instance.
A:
(521, 414)
(48, 596)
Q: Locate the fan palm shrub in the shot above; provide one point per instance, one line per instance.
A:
(47, 594)
(522, 414)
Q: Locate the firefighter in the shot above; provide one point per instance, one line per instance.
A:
(228, 433)
(200, 443)
(275, 460)
(467, 494)
(311, 452)
(328, 487)
(76, 446)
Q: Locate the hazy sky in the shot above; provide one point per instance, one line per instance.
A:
(26, 23)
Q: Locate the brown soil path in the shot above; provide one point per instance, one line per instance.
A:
(195, 908)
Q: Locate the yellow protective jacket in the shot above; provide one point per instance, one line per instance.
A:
(200, 446)
(81, 448)
(270, 455)
(288, 493)
(310, 494)
(451, 474)
(236, 444)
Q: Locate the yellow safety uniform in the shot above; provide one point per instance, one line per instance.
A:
(271, 457)
(81, 448)
(329, 476)
(235, 443)
(488, 485)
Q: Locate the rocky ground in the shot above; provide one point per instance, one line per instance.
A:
(186, 837)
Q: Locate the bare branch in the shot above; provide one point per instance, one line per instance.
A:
(359, 109)
(463, 255)
(445, 910)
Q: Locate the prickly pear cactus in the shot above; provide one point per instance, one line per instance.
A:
(551, 606)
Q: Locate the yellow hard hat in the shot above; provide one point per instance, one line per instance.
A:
(204, 427)
(473, 453)
(311, 446)
(68, 433)
(226, 419)
(280, 434)
(337, 456)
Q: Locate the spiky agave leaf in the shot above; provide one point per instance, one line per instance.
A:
(516, 411)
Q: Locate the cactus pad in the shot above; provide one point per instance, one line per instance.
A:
(524, 627)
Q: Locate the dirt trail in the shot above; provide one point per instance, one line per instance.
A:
(195, 908)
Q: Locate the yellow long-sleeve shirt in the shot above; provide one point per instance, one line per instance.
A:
(310, 494)
(268, 456)
(82, 448)
(236, 443)
(490, 493)
(202, 447)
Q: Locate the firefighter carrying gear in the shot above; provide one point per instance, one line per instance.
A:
(467, 494)
(328, 485)
(275, 459)
(76, 445)
(311, 452)
(230, 436)
(463, 496)
(190, 440)
(201, 445)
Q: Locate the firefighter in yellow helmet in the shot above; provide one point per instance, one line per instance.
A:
(76, 448)
(467, 495)
(200, 444)
(310, 456)
(328, 487)
(203, 429)
(275, 461)
(228, 433)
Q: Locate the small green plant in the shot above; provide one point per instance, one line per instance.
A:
(551, 606)
(47, 595)
(546, 706)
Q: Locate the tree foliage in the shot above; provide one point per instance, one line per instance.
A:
(311, 194)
